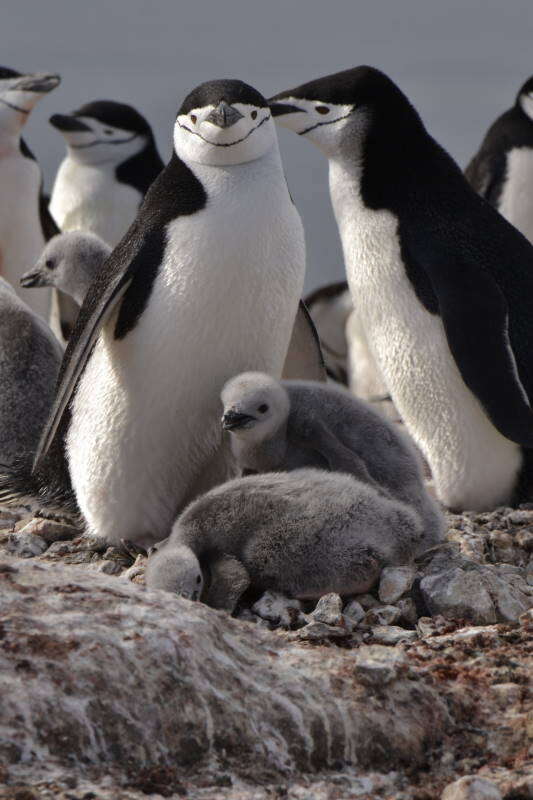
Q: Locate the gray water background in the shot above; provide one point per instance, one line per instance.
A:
(460, 62)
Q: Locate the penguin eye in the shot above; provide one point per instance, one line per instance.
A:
(193, 118)
(199, 579)
(49, 264)
(253, 114)
(108, 131)
(322, 109)
(263, 408)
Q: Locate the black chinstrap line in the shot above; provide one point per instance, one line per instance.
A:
(102, 141)
(14, 107)
(326, 122)
(228, 144)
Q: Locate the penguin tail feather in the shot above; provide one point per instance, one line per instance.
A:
(20, 487)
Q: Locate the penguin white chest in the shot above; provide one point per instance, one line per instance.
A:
(146, 416)
(21, 237)
(516, 200)
(472, 464)
(90, 198)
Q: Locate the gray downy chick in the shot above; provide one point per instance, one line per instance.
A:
(292, 424)
(304, 533)
(70, 262)
(29, 364)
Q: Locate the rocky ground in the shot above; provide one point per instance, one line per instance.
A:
(418, 690)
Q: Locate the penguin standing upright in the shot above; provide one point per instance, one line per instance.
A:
(25, 224)
(502, 170)
(443, 284)
(111, 162)
(205, 284)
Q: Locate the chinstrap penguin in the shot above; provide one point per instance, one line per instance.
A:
(304, 534)
(205, 284)
(29, 365)
(25, 223)
(442, 284)
(502, 170)
(284, 426)
(111, 162)
(70, 262)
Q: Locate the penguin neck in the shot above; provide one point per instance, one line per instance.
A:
(220, 180)
(10, 139)
(263, 456)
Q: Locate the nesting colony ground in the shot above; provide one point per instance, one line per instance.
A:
(418, 689)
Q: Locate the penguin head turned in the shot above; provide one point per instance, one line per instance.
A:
(20, 92)
(256, 407)
(223, 123)
(103, 132)
(175, 568)
(341, 110)
(525, 98)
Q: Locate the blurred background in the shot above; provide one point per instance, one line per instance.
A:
(461, 62)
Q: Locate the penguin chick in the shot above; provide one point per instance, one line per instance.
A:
(70, 262)
(304, 534)
(292, 424)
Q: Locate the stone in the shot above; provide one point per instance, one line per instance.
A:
(367, 601)
(319, 631)
(51, 530)
(376, 665)
(521, 517)
(458, 594)
(25, 545)
(98, 675)
(110, 567)
(408, 613)
(328, 610)
(470, 787)
(353, 612)
(279, 610)
(394, 582)
(382, 615)
(392, 634)
(524, 539)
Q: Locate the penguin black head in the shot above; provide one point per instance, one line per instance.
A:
(19, 93)
(525, 98)
(103, 131)
(224, 122)
(323, 110)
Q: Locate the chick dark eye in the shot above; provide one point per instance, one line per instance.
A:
(322, 109)
(49, 264)
(263, 408)
(193, 118)
(199, 579)
(108, 132)
(253, 114)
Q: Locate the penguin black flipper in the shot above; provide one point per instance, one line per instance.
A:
(128, 276)
(475, 315)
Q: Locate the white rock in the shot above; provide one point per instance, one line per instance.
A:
(51, 530)
(382, 615)
(25, 545)
(353, 612)
(319, 631)
(457, 594)
(328, 610)
(470, 787)
(392, 634)
(376, 665)
(276, 607)
(394, 582)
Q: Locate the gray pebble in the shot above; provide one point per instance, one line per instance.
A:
(382, 615)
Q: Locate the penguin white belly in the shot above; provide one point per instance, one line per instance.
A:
(516, 200)
(146, 416)
(91, 199)
(21, 237)
(473, 465)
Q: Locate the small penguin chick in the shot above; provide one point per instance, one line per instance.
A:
(70, 262)
(303, 533)
(294, 424)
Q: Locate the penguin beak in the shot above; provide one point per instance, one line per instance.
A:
(233, 420)
(278, 109)
(38, 82)
(64, 122)
(224, 115)
(31, 279)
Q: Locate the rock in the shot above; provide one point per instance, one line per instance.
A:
(524, 539)
(367, 601)
(458, 594)
(408, 613)
(392, 634)
(110, 567)
(51, 530)
(328, 610)
(521, 517)
(319, 631)
(471, 788)
(376, 665)
(279, 610)
(100, 677)
(432, 626)
(353, 612)
(382, 615)
(136, 571)
(25, 545)
(394, 582)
